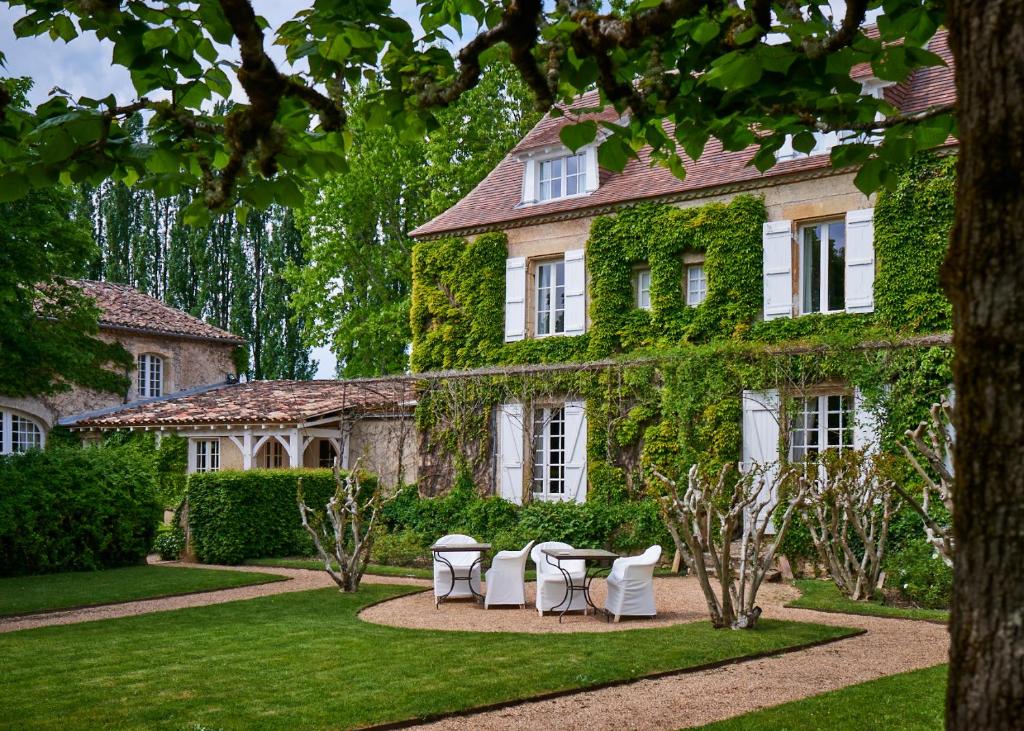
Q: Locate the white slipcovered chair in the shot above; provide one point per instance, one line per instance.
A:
(465, 566)
(551, 587)
(631, 585)
(506, 582)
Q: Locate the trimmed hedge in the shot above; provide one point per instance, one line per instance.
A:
(75, 509)
(237, 515)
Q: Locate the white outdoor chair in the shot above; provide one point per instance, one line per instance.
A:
(505, 579)
(551, 588)
(631, 585)
(465, 565)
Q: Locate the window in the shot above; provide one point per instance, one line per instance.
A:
(551, 298)
(207, 455)
(273, 455)
(327, 453)
(151, 375)
(823, 267)
(549, 452)
(642, 288)
(562, 177)
(19, 433)
(819, 423)
(696, 285)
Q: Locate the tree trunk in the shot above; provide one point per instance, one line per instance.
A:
(984, 276)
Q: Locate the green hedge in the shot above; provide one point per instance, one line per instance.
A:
(626, 527)
(75, 509)
(238, 515)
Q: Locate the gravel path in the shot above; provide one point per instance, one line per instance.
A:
(298, 580)
(692, 699)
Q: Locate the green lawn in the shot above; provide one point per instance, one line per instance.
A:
(316, 565)
(913, 701)
(824, 596)
(25, 594)
(304, 660)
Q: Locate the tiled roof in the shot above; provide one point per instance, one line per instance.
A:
(495, 201)
(122, 306)
(263, 402)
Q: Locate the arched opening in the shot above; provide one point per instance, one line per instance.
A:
(20, 432)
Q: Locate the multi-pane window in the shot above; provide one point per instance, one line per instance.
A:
(818, 423)
(562, 176)
(548, 452)
(327, 453)
(273, 455)
(18, 433)
(25, 434)
(823, 267)
(642, 287)
(696, 285)
(551, 298)
(151, 375)
(207, 455)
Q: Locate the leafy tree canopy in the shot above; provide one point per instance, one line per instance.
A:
(749, 74)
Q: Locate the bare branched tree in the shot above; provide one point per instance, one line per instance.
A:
(933, 442)
(705, 517)
(346, 535)
(847, 511)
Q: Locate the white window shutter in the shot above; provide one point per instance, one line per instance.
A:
(510, 452)
(761, 416)
(529, 182)
(515, 299)
(860, 260)
(575, 451)
(866, 432)
(593, 177)
(777, 242)
(575, 292)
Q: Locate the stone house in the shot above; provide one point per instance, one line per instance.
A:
(174, 353)
(533, 235)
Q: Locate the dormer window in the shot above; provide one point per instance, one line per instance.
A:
(562, 177)
(551, 174)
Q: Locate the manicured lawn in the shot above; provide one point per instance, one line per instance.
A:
(913, 701)
(316, 565)
(25, 594)
(824, 595)
(304, 660)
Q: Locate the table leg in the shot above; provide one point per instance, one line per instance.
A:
(476, 595)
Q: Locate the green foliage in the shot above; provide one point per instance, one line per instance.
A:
(628, 527)
(920, 576)
(658, 236)
(458, 301)
(166, 457)
(169, 542)
(404, 548)
(355, 294)
(48, 328)
(238, 515)
(912, 227)
(75, 509)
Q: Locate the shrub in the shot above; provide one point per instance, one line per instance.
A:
(75, 509)
(405, 548)
(919, 574)
(238, 515)
(170, 542)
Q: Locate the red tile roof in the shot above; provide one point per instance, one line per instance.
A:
(122, 307)
(262, 402)
(495, 201)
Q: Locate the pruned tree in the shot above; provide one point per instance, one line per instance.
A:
(933, 443)
(849, 505)
(705, 517)
(344, 534)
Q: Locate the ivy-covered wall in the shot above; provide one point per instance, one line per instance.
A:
(687, 407)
